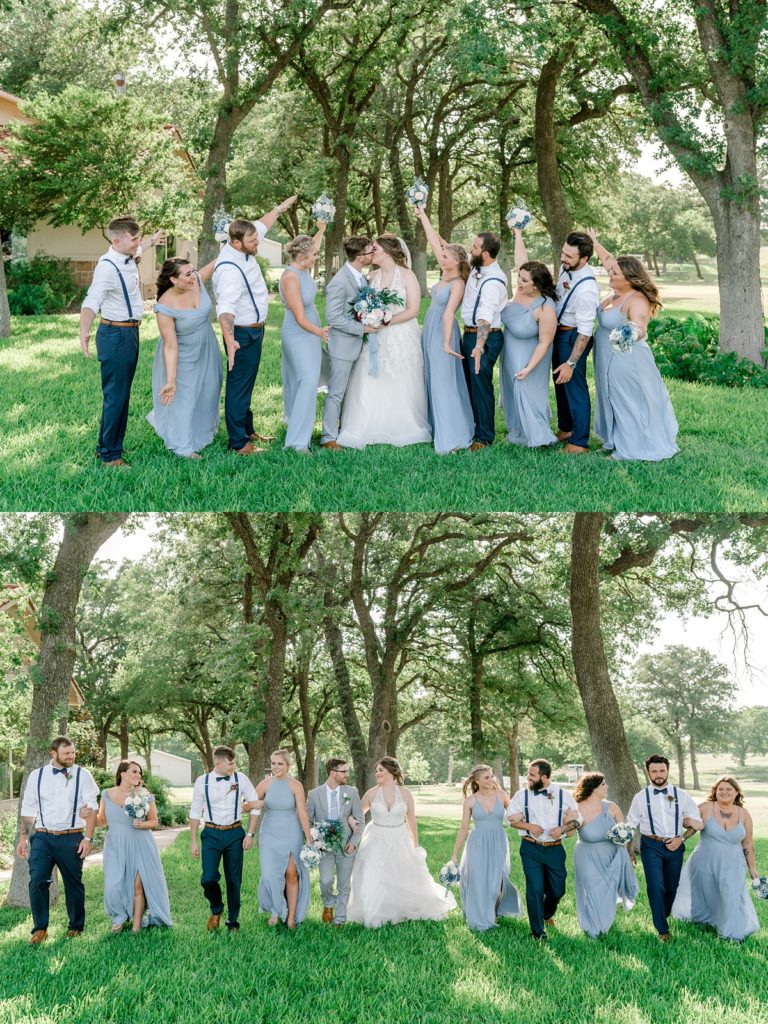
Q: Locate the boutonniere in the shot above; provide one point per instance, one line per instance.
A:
(346, 798)
(566, 286)
(232, 787)
(550, 795)
(68, 775)
(671, 798)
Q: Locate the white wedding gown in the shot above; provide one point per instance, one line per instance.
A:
(390, 408)
(390, 880)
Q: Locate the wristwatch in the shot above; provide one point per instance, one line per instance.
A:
(251, 835)
(571, 363)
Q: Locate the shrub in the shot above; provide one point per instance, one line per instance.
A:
(180, 814)
(41, 285)
(266, 270)
(7, 839)
(688, 350)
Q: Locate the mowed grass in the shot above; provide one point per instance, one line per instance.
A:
(425, 972)
(50, 400)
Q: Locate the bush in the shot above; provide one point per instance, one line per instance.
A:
(7, 839)
(41, 285)
(181, 814)
(266, 271)
(688, 350)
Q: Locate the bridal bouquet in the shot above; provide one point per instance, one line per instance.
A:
(220, 226)
(330, 836)
(624, 338)
(519, 216)
(371, 306)
(310, 857)
(449, 874)
(620, 833)
(760, 887)
(417, 193)
(323, 209)
(137, 804)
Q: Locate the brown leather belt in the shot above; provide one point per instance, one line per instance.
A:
(63, 832)
(555, 842)
(659, 839)
(224, 828)
(262, 324)
(473, 330)
(562, 327)
(121, 323)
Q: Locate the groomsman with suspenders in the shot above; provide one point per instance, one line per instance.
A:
(485, 296)
(545, 814)
(219, 799)
(242, 304)
(662, 811)
(116, 293)
(60, 803)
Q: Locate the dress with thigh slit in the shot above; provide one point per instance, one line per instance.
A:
(280, 836)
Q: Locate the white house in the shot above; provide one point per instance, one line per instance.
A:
(175, 770)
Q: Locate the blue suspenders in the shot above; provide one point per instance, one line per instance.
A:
(74, 803)
(125, 289)
(208, 799)
(650, 816)
(237, 792)
(477, 302)
(77, 790)
(231, 263)
(590, 277)
(559, 810)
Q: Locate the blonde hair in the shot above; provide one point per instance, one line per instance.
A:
(460, 253)
(301, 245)
(282, 753)
(471, 785)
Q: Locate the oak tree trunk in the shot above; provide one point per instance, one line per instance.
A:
(545, 141)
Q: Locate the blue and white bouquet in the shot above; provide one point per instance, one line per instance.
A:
(310, 857)
(449, 874)
(760, 887)
(620, 833)
(519, 216)
(371, 305)
(624, 338)
(417, 193)
(220, 226)
(330, 836)
(137, 804)
(323, 209)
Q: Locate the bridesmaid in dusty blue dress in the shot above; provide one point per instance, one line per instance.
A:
(712, 886)
(449, 407)
(603, 874)
(284, 881)
(134, 883)
(302, 338)
(633, 413)
(486, 891)
(186, 373)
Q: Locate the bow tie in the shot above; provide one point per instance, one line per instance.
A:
(128, 259)
(540, 792)
(56, 771)
(657, 791)
(223, 778)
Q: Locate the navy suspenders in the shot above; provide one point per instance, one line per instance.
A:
(650, 816)
(77, 790)
(208, 799)
(477, 301)
(590, 277)
(74, 803)
(231, 263)
(237, 795)
(559, 810)
(125, 289)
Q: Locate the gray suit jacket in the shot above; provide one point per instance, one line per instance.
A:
(346, 336)
(349, 803)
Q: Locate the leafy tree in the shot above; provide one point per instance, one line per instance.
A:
(748, 733)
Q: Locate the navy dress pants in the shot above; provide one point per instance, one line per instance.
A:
(45, 853)
(480, 385)
(118, 352)
(662, 875)
(239, 389)
(574, 410)
(545, 874)
(227, 846)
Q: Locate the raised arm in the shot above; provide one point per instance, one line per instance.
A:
(435, 242)
(268, 219)
(206, 273)
(602, 253)
(167, 327)
(521, 253)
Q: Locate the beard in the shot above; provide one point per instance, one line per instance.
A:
(476, 262)
(536, 786)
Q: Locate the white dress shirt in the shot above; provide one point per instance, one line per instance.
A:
(543, 809)
(582, 308)
(331, 795)
(662, 810)
(56, 804)
(106, 293)
(493, 297)
(225, 807)
(228, 284)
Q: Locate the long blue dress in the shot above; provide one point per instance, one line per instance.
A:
(280, 836)
(449, 409)
(525, 402)
(128, 852)
(633, 413)
(603, 875)
(486, 891)
(713, 888)
(190, 422)
(300, 364)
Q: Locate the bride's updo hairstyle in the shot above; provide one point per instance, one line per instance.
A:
(471, 784)
(391, 245)
(389, 763)
(299, 246)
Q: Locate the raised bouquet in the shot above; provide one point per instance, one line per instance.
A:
(624, 338)
(417, 193)
(137, 804)
(519, 216)
(620, 833)
(371, 306)
(449, 874)
(310, 857)
(760, 887)
(323, 209)
(330, 836)
(220, 226)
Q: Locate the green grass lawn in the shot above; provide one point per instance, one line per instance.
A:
(50, 402)
(426, 972)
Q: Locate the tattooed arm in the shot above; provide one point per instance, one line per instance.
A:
(483, 330)
(227, 321)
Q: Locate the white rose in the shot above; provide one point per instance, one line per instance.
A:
(139, 812)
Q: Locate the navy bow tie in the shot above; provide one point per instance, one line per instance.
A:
(540, 792)
(223, 778)
(128, 259)
(657, 791)
(56, 771)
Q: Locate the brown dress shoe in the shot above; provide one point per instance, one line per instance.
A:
(664, 937)
(549, 922)
(38, 936)
(264, 438)
(477, 446)
(213, 922)
(332, 445)
(73, 933)
(327, 914)
(248, 449)
(117, 462)
(575, 449)
(563, 435)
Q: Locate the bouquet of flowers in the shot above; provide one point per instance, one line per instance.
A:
(449, 874)
(371, 306)
(620, 833)
(760, 887)
(330, 836)
(220, 226)
(137, 804)
(323, 209)
(519, 216)
(417, 193)
(310, 857)
(624, 339)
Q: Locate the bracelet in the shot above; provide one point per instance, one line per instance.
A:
(87, 839)
(250, 835)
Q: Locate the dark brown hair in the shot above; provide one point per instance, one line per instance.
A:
(641, 281)
(123, 767)
(223, 753)
(394, 769)
(333, 763)
(391, 244)
(239, 228)
(581, 242)
(491, 243)
(545, 768)
(541, 277)
(170, 269)
(471, 785)
(354, 245)
(738, 799)
(60, 741)
(656, 759)
(123, 226)
(586, 785)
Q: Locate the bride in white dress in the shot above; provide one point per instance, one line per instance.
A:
(390, 880)
(389, 407)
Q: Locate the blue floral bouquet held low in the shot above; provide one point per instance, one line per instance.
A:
(519, 216)
(625, 337)
(417, 193)
(310, 857)
(449, 874)
(760, 887)
(323, 209)
(371, 308)
(620, 833)
(137, 804)
(330, 836)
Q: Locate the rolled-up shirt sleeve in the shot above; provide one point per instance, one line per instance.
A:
(585, 303)
(89, 794)
(690, 809)
(227, 283)
(100, 285)
(29, 805)
(493, 299)
(634, 815)
(196, 809)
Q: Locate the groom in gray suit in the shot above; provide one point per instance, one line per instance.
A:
(345, 340)
(336, 800)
